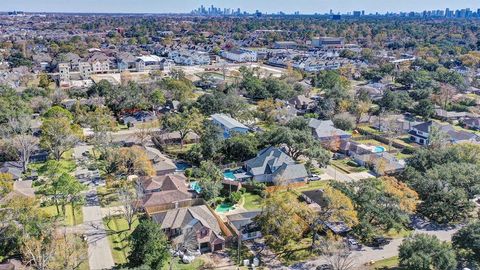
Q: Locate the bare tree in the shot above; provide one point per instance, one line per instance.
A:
(144, 133)
(338, 255)
(25, 145)
(70, 252)
(38, 253)
(130, 204)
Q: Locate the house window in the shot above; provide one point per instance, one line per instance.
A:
(422, 141)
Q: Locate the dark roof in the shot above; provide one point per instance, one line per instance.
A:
(473, 121)
(316, 196)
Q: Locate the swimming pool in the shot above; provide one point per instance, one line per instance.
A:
(229, 175)
(224, 207)
(182, 166)
(195, 186)
(379, 149)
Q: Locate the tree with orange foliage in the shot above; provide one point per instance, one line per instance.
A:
(134, 160)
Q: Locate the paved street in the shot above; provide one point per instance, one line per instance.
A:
(99, 252)
(368, 254)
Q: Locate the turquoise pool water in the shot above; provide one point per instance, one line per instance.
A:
(224, 207)
(229, 175)
(195, 186)
(379, 149)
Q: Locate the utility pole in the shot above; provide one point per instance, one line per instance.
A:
(239, 247)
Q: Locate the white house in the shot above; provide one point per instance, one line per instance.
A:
(421, 133)
(240, 55)
(153, 62)
(99, 66)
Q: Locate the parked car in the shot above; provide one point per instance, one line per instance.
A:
(314, 177)
(380, 241)
(353, 244)
(325, 267)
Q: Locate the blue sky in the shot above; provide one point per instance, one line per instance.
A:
(166, 6)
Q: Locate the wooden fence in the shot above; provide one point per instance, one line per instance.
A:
(169, 206)
(287, 187)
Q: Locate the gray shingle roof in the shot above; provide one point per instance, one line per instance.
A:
(325, 128)
(288, 172)
(267, 160)
(228, 121)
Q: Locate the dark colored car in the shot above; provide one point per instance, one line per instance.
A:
(325, 267)
(380, 241)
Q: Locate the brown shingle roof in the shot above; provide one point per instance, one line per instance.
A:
(165, 182)
(165, 197)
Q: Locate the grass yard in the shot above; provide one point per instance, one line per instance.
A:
(348, 166)
(264, 125)
(398, 234)
(313, 185)
(68, 219)
(386, 264)
(371, 130)
(251, 201)
(118, 233)
(300, 251)
(175, 150)
(400, 155)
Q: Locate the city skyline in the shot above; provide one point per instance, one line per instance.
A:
(302, 6)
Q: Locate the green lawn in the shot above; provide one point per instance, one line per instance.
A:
(313, 185)
(386, 264)
(398, 234)
(68, 218)
(67, 164)
(400, 155)
(298, 252)
(371, 130)
(175, 150)
(252, 201)
(118, 233)
(346, 165)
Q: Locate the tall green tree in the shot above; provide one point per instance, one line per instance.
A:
(149, 246)
(184, 123)
(426, 252)
(58, 136)
(467, 244)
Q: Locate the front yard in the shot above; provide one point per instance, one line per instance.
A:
(347, 166)
(118, 236)
(69, 218)
(386, 264)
